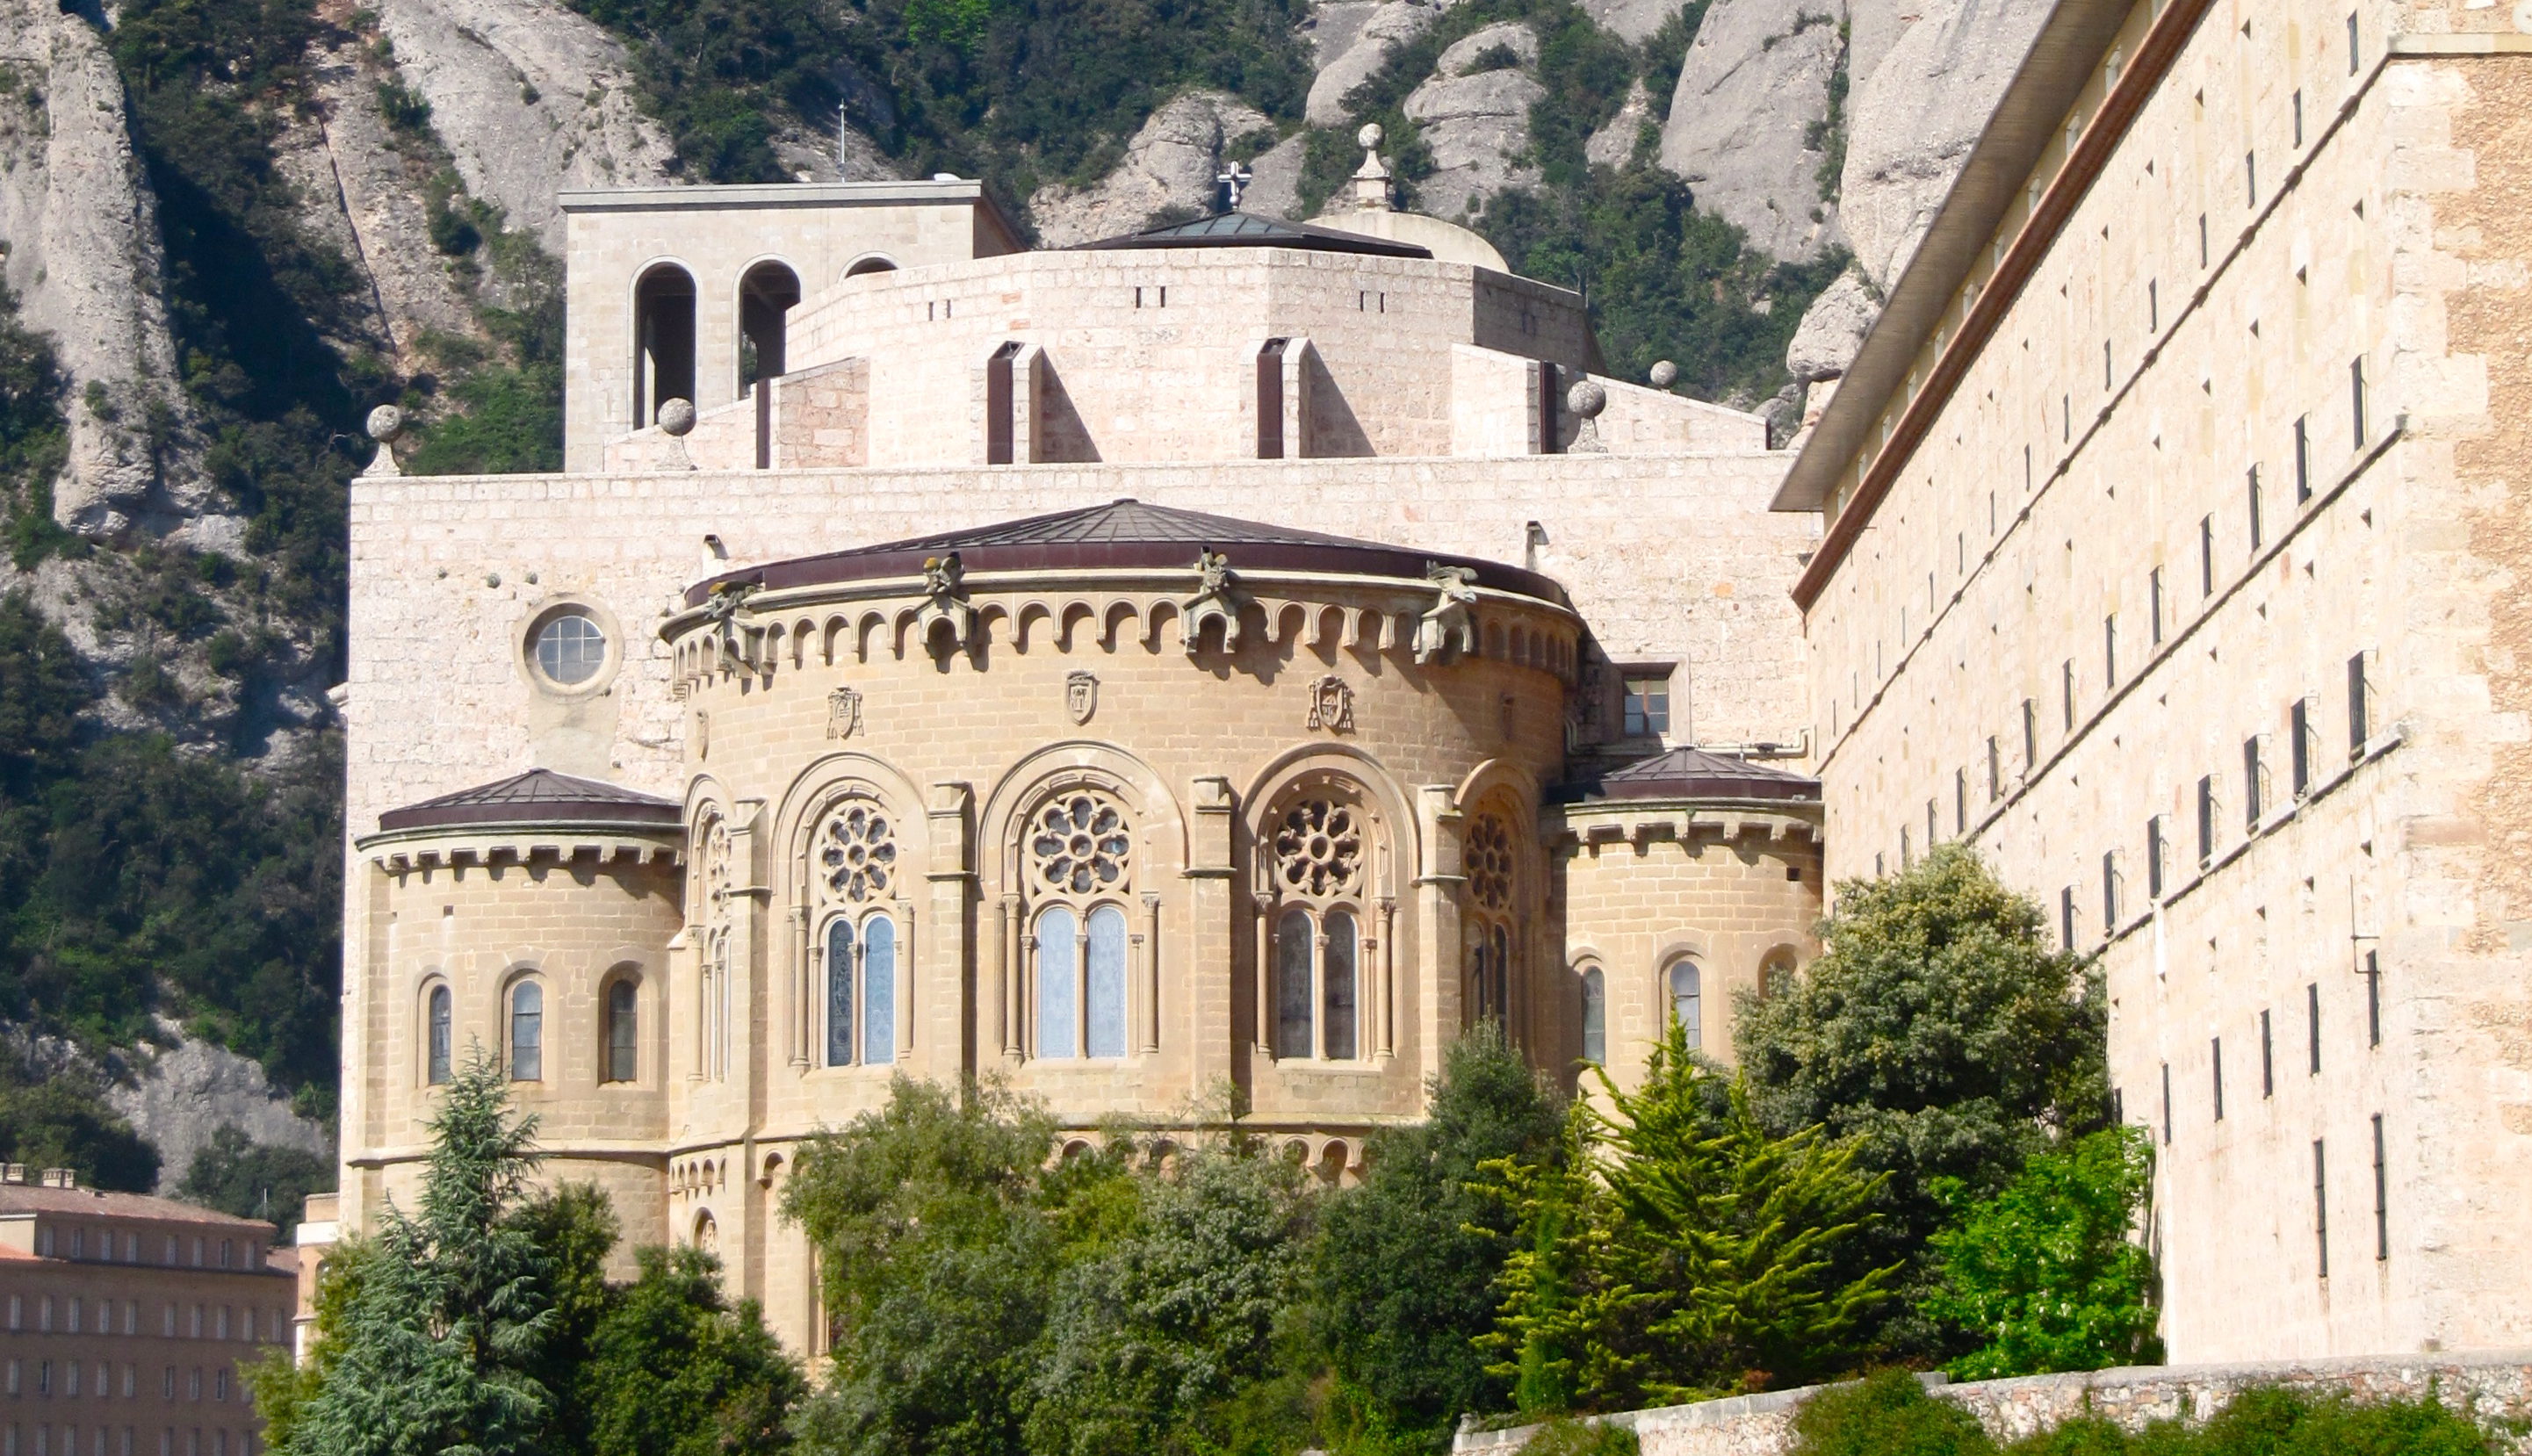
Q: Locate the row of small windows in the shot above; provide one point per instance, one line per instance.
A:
(523, 1044)
(100, 1245)
(44, 1378)
(1682, 985)
(77, 1315)
(44, 1440)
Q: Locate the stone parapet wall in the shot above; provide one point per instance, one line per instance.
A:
(2493, 1385)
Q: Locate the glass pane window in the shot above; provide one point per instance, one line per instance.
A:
(439, 1034)
(1595, 1016)
(878, 991)
(1105, 984)
(1294, 989)
(1686, 1002)
(1059, 1020)
(839, 993)
(570, 649)
(1337, 986)
(1647, 706)
(527, 1033)
(621, 1027)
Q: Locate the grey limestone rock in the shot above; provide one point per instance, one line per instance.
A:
(1614, 142)
(1476, 123)
(1369, 33)
(1913, 120)
(530, 98)
(1630, 20)
(1832, 329)
(181, 1096)
(1275, 180)
(1739, 129)
(1170, 163)
(79, 224)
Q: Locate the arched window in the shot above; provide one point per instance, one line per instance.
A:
(853, 857)
(1079, 854)
(441, 1034)
(1595, 1016)
(663, 342)
(623, 1027)
(1320, 847)
(527, 1033)
(863, 268)
(1687, 1001)
(1487, 860)
(766, 296)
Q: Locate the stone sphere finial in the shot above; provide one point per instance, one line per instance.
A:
(386, 422)
(677, 416)
(1586, 399)
(1664, 373)
(1370, 135)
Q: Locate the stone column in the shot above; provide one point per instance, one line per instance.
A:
(1441, 951)
(1210, 929)
(944, 993)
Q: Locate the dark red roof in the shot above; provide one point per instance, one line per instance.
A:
(1247, 230)
(1126, 534)
(1693, 774)
(537, 796)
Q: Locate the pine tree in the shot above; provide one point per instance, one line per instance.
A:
(442, 1314)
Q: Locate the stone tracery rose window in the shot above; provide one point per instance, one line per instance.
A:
(1318, 849)
(1079, 850)
(857, 853)
(1487, 860)
(1079, 845)
(855, 858)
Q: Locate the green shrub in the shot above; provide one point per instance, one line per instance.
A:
(1885, 1414)
(1567, 1436)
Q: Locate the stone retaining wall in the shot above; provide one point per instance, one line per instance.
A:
(2494, 1383)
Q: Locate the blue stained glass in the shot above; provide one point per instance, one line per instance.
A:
(1058, 988)
(839, 993)
(1107, 982)
(878, 991)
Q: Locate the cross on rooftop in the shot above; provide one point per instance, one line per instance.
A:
(1232, 178)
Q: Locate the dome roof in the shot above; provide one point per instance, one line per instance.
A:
(537, 796)
(1126, 534)
(1693, 774)
(1247, 230)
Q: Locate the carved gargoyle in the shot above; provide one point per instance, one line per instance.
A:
(945, 587)
(1447, 629)
(735, 633)
(1215, 597)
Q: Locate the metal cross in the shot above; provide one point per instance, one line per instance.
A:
(1235, 177)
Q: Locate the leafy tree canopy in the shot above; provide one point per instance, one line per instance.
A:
(1938, 1033)
(236, 1175)
(2046, 1270)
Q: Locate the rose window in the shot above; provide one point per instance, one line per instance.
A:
(857, 854)
(1318, 849)
(1079, 845)
(1487, 859)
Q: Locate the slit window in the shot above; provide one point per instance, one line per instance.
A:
(527, 1033)
(2254, 776)
(2205, 820)
(1687, 987)
(2360, 705)
(2155, 850)
(2251, 492)
(2321, 1205)
(2153, 604)
(436, 1069)
(2312, 1022)
(1595, 1016)
(2207, 556)
(2373, 998)
(2268, 1059)
(2382, 1197)
(2303, 459)
(2299, 748)
(2215, 1072)
(2356, 398)
(623, 1041)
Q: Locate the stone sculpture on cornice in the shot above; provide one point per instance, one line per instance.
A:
(1447, 628)
(1213, 597)
(943, 584)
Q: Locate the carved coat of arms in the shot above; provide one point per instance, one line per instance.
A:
(843, 713)
(1332, 704)
(1080, 695)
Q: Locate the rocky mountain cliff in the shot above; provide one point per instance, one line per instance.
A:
(231, 226)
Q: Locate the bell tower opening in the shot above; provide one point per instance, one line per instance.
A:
(766, 296)
(663, 342)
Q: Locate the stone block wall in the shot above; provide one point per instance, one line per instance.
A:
(2494, 1386)
(2188, 481)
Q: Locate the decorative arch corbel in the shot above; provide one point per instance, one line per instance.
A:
(1216, 599)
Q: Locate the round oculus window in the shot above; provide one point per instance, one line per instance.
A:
(569, 649)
